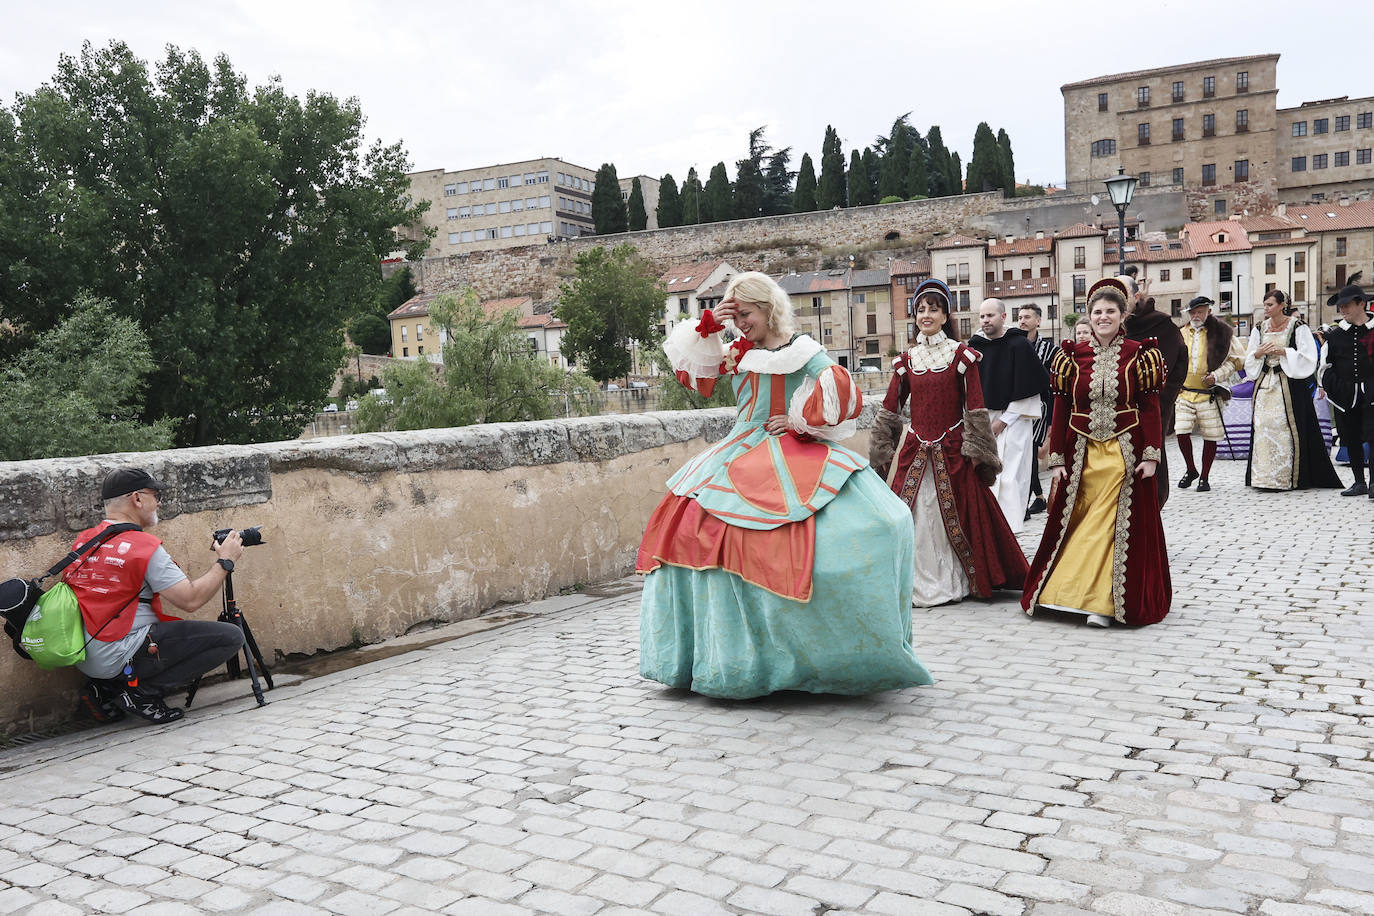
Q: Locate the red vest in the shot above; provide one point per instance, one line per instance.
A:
(108, 579)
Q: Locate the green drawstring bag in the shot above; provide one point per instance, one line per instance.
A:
(53, 635)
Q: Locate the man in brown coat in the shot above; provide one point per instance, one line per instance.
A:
(1144, 322)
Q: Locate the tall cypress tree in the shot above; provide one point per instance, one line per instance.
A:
(749, 193)
(830, 191)
(956, 173)
(634, 208)
(917, 180)
(1008, 164)
(872, 167)
(804, 198)
(717, 204)
(896, 162)
(860, 189)
(669, 208)
(608, 208)
(937, 164)
(985, 168)
(691, 198)
(777, 184)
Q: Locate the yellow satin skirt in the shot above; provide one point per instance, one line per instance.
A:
(1082, 576)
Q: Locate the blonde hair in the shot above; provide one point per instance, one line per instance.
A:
(762, 290)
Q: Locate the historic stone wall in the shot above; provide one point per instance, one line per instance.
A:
(369, 535)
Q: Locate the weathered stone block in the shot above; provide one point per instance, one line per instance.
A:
(28, 507)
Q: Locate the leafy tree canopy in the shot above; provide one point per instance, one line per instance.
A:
(614, 301)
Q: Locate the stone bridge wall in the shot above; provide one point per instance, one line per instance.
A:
(368, 536)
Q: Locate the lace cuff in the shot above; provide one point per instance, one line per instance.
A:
(1150, 453)
(1056, 460)
(688, 351)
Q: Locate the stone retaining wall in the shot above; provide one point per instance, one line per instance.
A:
(368, 536)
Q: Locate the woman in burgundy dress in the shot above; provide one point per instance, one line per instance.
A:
(1103, 552)
(943, 462)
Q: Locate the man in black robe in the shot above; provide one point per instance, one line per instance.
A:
(1143, 323)
(1346, 373)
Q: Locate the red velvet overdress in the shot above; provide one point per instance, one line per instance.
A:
(972, 520)
(1124, 401)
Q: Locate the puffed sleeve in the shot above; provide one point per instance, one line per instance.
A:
(695, 350)
(1300, 360)
(1150, 375)
(826, 405)
(1062, 371)
(1230, 367)
(1253, 363)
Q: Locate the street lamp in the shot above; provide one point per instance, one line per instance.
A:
(1121, 188)
(850, 283)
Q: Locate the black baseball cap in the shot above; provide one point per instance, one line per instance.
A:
(128, 480)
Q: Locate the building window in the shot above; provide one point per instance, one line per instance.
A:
(464, 212)
(1187, 273)
(1224, 272)
(488, 184)
(504, 207)
(1102, 101)
(1271, 264)
(419, 332)
(1025, 273)
(1242, 170)
(1209, 87)
(1300, 290)
(1080, 286)
(1299, 262)
(964, 325)
(964, 303)
(1209, 174)
(1219, 206)
(503, 183)
(1178, 91)
(1342, 123)
(1226, 300)
(405, 332)
(951, 274)
(1364, 120)
(1104, 148)
(1164, 276)
(463, 186)
(963, 273)
(453, 238)
(490, 209)
(519, 229)
(1319, 161)
(1340, 246)
(1342, 158)
(405, 351)
(1178, 176)
(1006, 276)
(507, 232)
(1080, 257)
(1299, 163)
(1142, 134)
(1176, 308)
(1362, 156)
(450, 190)
(1209, 125)
(1144, 179)
(1319, 125)
(1300, 128)
(1178, 129)
(1243, 81)
(1243, 120)
(467, 236)
(1142, 97)
(452, 213)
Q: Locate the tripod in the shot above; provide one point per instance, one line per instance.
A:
(252, 656)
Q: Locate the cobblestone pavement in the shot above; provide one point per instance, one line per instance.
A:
(1218, 762)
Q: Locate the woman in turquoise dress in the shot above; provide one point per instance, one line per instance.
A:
(777, 560)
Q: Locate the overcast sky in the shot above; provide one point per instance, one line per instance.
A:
(659, 87)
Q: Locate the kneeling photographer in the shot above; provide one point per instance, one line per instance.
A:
(136, 654)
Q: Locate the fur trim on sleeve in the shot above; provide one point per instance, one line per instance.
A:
(882, 440)
(980, 446)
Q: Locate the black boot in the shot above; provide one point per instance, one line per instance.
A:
(1358, 488)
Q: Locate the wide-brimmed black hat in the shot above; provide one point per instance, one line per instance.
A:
(1198, 302)
(128, 480)
(1351, 293)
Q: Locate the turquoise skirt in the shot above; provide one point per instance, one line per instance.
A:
(711, 632)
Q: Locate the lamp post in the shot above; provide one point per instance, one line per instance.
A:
(849, 281)
(1121, 188)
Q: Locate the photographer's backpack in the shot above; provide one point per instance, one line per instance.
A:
(19, 597)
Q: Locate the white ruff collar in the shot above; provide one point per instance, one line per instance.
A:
(933, 352)
(783, 360)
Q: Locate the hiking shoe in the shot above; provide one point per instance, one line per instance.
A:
(99, 699)
(147, 707)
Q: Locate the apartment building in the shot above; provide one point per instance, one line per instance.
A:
(649, 188)
(871, 310)
(1344, 252)
(961, 262)
(1240, 259)
(821, 303)
(685, 284)
(1170, 267)
(503, 206)
(1325, 150)
(904, 275)
(414, 337)
(1080, 259)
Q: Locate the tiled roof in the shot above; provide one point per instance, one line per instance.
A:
(685, 278)
(1204, 237)
(1019, 247)
(414, 307)
(956, 241)
(876, 277)
(901, 267)
(715, 292)
(1080, 231)
(1157, 71)
(1150, 252)
(541, 321)
(515, 303)
(1269, 243)
(1357, 214)
(819, 281)
(1010, 289)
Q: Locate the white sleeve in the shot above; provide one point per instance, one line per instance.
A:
(1300, 360)
(693, 354)
(1025, 407)
(1253, 363)
(827, 406)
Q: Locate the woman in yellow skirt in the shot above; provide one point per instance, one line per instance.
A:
(1103, 553)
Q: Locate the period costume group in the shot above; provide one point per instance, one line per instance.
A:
(778, 559)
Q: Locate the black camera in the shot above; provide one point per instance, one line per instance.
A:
(252, 537)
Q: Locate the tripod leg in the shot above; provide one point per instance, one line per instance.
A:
(251, 646)
(191, 692)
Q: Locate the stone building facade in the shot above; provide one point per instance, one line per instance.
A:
(1326, 150)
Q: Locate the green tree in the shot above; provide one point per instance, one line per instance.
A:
(938, 164)
(872, 168)
(614, 301)
(985, 171)
(895, 166)
(238, 229)
(917, 181)
(79, 389)
(718, 204)
(608, 207)
(669, 208)
(804, 198)
(749, 183)
(777, 183)
(860, 188)
(830, 192)
(395, 291)
(956, 174)
(634, 208)
(371, 332)
(488, 376)
(1008, 164)
(691, 198)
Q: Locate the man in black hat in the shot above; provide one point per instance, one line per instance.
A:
(1346, 373)
(136, 654)
(1214, 358)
